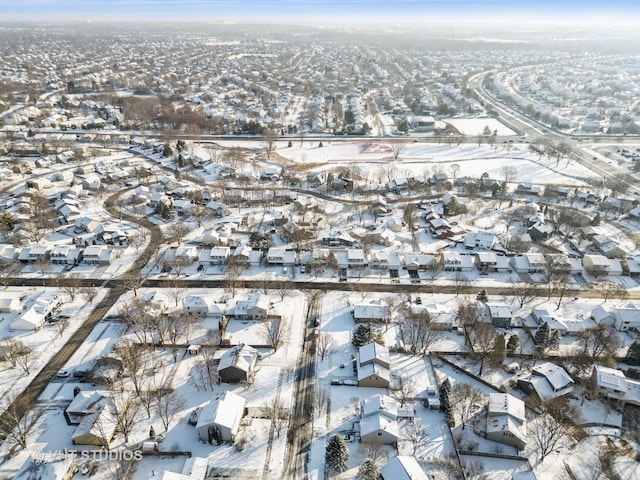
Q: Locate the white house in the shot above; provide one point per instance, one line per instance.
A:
(214, 256)
(39, 308)
(547, 380)
(380, 423)
(601, 265)
(219, 421)
(376, 312)
(237, 363)
(614, 385)
(621, 318)
(506, 420)
(98, 255)
(257, 307)
(65, 254)
(402, 467)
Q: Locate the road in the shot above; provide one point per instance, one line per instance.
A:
(299, 435)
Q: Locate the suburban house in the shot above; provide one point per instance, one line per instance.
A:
(540, 231)
(39, 307)
(402, 467)
(480, 240)
(613, 384)
(181, 255)
(375, 312)
(455, 262)
(97, 428)
(34, 253)
(281, 256)
(529, 263)
(84, 403)
(543, 316)
(248, 255)
(488, 262)
(378, 420)
(85, 225)
(547, 380)
(65, 255)
(202, 305)
(214, 256)
(621, 318)
(257, 307)
(500, 315)
(98, 255)
(10, 302)
(600, 265)
(219, 421)
(506, 420)
(373, 366)
(237, 364)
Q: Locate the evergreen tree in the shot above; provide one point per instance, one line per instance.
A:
(336, 455)
(482, 296)
(167, 151)
(633, 354)
(543, 335)
(513, 343)
(368, 470)
(554, 340)
(499, 351)
(362, 335)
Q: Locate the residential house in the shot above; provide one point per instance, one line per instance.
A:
(335, 238)
(281, 256)
(84, 403)
(374, 312)
(182, 207)
(527, 188)
(373, 366)
(600, 265)
(480, 240)
(85, 225)
(529, 263)
(214, 256)
(540, 231)
(543, 316)
(608, 247)
(506, 420)
(202, 306)
(378, 422)
(65, 255)
(34, 253)
(500, 315)
(97, 428)
(356, 258)
(489, 262)
(402, 467)
(98, 255)
(39, 308)
(455, 262)
(237, 364)
(180, 255)
(219, 421)
(614, 385)
(547, 381)
(10, 302)
(621, 318)
(248, 255)
(257, 307)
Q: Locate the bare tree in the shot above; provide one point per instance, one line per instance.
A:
(17, 353)
(397, 149)
(177, 232)
(7, 270)
(509, 172)
(177, 327)
(320, 399)
(133, 360)
(69, 284)
(599, 340)
(135, 314)
(204, 374)
(269, 139)
(608, 289)
(459, 282)
(468, 313)
(406, 391)
(548, 432)
(276, 411)
(168, 406)
(89, 293)
(17, 422)
(325, 344)
(61, 326)
(124, 412)
(372, 449)
(133, 281)
(275, 333)
(482, 338)
(524, 293)
(417, 434)
(418, 332)
(465, 402)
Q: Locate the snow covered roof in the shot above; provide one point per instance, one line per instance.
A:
(226, 412)
(505, 404)
(557, 376)
(403, 467)
(376, 422)
(610, 378)
(382, 404)
(241, 356)
(373, 352)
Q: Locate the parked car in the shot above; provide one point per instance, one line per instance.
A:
(63, 374)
